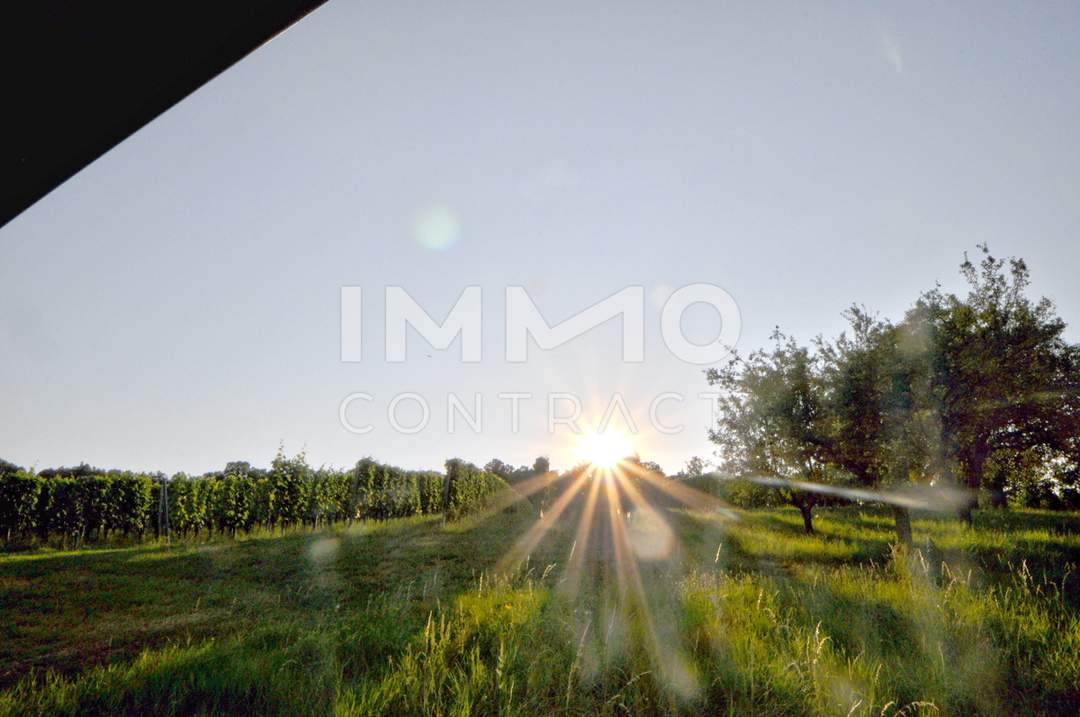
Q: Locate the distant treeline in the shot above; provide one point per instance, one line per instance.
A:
(72, 506)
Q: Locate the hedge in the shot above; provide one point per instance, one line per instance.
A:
(73, 506)
(471, 488)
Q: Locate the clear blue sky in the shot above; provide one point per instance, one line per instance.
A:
(175, 305)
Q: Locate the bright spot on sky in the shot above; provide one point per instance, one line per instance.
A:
(436, 227)
(605, 450)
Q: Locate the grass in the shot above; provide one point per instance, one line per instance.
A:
(408, 618)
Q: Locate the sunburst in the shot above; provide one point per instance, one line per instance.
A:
(605, 449)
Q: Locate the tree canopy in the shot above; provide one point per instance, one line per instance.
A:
(961, 382)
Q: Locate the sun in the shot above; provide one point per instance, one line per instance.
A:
(606, 449)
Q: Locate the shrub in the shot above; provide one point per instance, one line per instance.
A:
(19, 493)
(289, 478)
(87, 503)
(471, 488)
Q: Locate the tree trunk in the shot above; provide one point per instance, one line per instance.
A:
(965, 511)
(903, 524)
(807, 517)
(973, 470)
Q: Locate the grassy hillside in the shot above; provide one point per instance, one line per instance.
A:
(411, 617)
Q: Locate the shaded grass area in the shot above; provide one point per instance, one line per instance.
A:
(730, 617)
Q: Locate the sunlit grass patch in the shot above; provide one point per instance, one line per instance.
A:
(750, 616)
(213, 677)
(479, 655)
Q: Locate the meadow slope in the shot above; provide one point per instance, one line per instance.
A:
(418, 617)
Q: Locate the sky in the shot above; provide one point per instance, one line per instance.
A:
(176, 305)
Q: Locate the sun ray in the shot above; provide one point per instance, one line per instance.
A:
(532, 537)
(662, 542)
(688, 496)
(614, 523)
(581, 540)
(516, 493)
(671, 665)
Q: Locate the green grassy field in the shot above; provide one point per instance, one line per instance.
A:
(412, 618)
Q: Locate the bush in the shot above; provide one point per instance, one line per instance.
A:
(738, 492)
(19, 493)
(129, 501)
(430, 486)
(289, 479)
(471, 488)
(83, 504)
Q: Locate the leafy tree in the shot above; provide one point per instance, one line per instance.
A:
(83, 470)
(541, 465)
(653, 467)
(238, 468)
(695, 467)
(1004, 377)
(770, 420)
(880, 420)
(501, 469)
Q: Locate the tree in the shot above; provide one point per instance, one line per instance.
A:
(1003, 375)
(880, 417)
(499, 468)
(769, 420)
(695, 467)
(237, 468)
(653, 467)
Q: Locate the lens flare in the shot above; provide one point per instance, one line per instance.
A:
(436, 227)
(605, 450)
